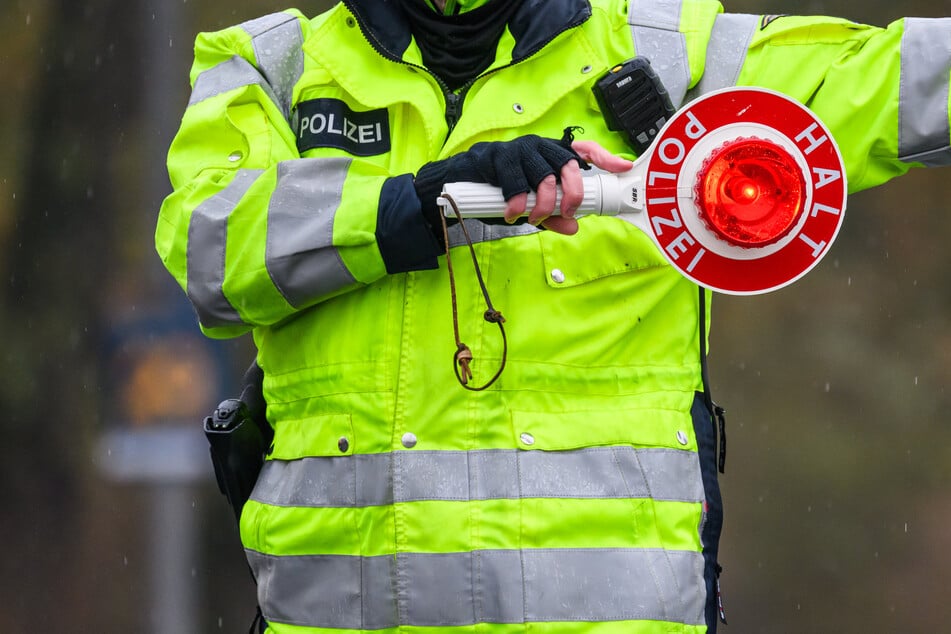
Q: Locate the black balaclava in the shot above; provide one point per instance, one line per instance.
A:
(458, 47)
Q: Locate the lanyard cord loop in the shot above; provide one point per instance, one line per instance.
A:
(462, 358)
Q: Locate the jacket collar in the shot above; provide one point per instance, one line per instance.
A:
(535, 23)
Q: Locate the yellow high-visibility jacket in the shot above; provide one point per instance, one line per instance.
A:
(578, 493)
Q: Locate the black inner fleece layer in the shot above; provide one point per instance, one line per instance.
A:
(459, 47)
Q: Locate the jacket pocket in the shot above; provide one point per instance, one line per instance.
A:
(602, 248)
(644, 427)
(325, 435)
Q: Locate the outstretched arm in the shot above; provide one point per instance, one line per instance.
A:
(883, 92)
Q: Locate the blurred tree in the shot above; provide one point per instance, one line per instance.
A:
(55, 264)
(76, 220)
(836, 486)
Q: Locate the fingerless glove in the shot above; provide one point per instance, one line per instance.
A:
(515, 166)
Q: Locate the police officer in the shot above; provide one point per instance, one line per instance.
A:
(576, 493)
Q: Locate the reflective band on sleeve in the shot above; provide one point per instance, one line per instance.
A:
(923, 135)
(277, 40)
(485, 231)
(726, 52)
(260, 26)
(301, 258)
(655, 28)
(488, 586)
(207, 237)
(367, 480)
(235, 73)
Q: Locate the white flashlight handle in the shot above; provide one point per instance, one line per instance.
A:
(602, 196)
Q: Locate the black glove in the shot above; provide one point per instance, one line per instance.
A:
(516, 166)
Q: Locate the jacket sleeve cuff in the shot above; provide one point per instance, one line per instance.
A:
(406, 240)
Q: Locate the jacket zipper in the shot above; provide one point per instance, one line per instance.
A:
(453, 109)
(454, 100)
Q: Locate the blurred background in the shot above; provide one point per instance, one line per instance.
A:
(838, 481)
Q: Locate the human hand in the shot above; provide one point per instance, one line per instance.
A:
(517, 167)
(572, 187)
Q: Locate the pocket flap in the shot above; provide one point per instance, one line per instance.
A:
(618, 247)
(326, 435)
(638, 427)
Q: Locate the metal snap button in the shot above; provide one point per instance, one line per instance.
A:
(527, 438)
(557, 276)
(343, 444)
(409, 440)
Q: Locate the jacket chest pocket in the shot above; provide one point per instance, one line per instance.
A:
(603, 248)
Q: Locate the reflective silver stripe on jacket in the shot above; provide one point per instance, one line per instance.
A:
(207, 237)
(484, 231)
(277, 41)
(367, 480)
(655, 28)
(451, 589)
(301, 258)
(235, 73)
(726, 52)
(923, 134)
(278, 47)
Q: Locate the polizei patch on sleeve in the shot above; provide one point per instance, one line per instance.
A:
(331, 123)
